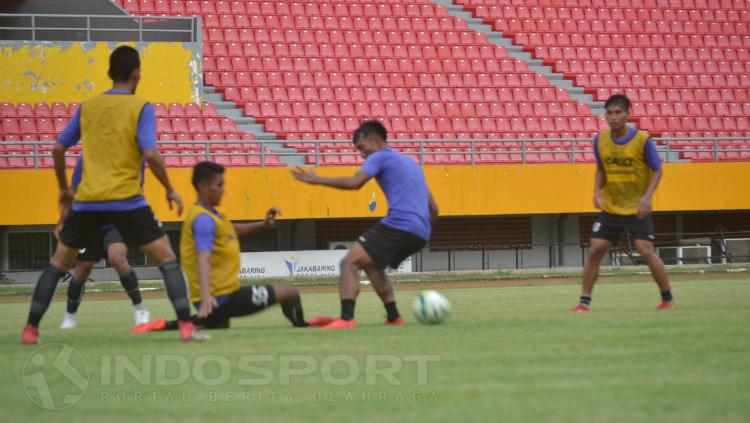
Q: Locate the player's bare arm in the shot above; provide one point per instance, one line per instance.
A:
(600, 180)
(245, 229)
(208, 302)
(645, 204)
(155, 161)
(66, 192)
(434, 211)
(310, 177)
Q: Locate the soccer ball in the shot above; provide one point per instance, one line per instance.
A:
(431, 307)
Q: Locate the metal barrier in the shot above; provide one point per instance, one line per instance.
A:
(523, 148)
(37, 27)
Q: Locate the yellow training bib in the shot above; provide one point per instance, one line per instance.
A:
(627, 172)
(225, 256)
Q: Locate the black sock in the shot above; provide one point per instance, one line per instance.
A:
(392, 311)
(43, 293)
(293, 312)
(347, 309)
(666, 295)
(130, 284)
(586, 299)
(75, 294)
(176, 289)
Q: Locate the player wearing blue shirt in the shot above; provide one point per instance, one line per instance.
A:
(108, 245)
(404, 231)
(117, 131)
(628, 172)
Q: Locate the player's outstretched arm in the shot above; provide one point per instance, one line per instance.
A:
(154, 160)
(312, 178)
(245, 229)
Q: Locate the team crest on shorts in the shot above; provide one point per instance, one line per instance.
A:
(81, 251)
(596, 227)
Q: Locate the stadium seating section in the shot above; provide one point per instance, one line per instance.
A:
(313, 70)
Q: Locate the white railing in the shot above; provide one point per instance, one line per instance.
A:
(669, 149)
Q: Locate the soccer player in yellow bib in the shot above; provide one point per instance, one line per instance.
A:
(210, 257)
(627, 174)
(117, 131)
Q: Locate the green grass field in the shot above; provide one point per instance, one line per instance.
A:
(506, 354)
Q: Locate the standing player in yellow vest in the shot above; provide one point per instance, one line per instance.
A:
(627, 174)
(118, 132)
(210, 257)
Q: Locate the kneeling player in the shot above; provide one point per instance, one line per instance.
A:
(210, 257)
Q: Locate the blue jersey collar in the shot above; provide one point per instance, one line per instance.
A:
(624, 140)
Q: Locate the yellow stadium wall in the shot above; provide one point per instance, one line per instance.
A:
(75, 71)
(30, 196)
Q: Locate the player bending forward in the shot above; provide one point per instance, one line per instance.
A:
(404, 231)
(210, 257)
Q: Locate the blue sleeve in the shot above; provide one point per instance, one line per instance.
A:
(204, 230)
(147, 128)
(77, 173)
(651, 156)
(372, 164)
(596, 150)
(72, 133)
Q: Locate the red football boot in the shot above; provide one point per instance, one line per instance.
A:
(667, 305)
(188, 333)
(152, 326)
(341, 324)
(318, 321)
(398, 322)
(30, 335)
(580, 308)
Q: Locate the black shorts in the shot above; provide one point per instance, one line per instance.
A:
(98, 249)
(610, 226)
(137, 227)
(246, 300)
(387, 246)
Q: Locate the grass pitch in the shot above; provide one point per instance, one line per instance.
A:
(506, 354)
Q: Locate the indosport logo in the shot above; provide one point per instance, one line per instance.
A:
(55, 377)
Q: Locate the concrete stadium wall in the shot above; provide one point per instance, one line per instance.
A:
(459, 190)
(545, 230)
(76, 71)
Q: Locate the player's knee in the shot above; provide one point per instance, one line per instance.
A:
(120, 262)
(597, 254)
(346, 262)
(286, 293)
(646, 252)
(82, 270)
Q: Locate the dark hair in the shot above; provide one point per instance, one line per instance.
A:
(205, 171)
(370, 127)
(122, 62)
(618, 99)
